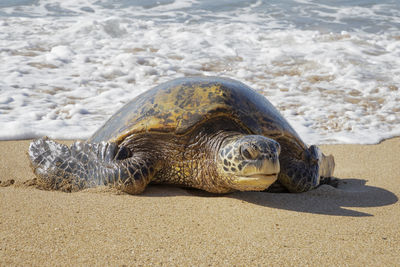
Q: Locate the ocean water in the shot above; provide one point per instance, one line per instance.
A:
(332, 67)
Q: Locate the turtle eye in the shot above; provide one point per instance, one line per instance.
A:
(249, 152)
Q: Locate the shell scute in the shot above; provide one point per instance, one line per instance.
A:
(183, 104)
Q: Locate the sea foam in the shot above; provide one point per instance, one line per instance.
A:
(331, 69)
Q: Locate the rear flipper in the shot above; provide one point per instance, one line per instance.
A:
(86, 165)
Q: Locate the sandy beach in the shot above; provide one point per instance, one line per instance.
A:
(356, 224)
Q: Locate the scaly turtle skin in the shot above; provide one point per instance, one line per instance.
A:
(210, 133)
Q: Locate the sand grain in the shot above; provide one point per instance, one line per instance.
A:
(356, 224)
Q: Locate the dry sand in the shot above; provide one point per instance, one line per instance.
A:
(356, 224)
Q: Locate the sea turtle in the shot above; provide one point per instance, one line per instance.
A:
(210, 133)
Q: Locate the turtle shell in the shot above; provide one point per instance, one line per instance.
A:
(183, 104)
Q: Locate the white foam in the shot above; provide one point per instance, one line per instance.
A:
(67, 66)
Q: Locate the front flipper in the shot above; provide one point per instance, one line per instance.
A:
(303, 175)
(85, 165)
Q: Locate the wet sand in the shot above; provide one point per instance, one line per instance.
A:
(356, 224)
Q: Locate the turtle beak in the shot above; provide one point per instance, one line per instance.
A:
(255, 182)
(257, 178)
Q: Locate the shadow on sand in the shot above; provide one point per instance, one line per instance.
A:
(325, 199)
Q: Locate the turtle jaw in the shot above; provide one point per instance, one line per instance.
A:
(254, 182)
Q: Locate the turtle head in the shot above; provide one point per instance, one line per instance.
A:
(248, 162)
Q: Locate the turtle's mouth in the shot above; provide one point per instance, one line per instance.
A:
(255, 182)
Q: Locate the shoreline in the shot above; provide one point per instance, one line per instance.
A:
(356, 224)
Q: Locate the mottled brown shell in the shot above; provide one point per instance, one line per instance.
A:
(181, 105)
